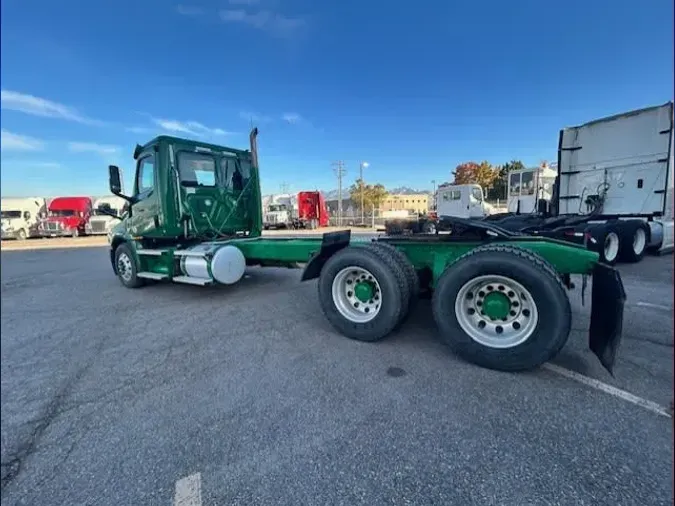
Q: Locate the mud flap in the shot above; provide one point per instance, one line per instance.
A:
(331, 243)
(608, 298)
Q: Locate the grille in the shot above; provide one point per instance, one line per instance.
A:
(97, 226)
(52, 225)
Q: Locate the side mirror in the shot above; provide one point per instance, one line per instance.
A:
(106, 209)
(115, 180)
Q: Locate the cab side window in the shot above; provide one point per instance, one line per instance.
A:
(145, 175)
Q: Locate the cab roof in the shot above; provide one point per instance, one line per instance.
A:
(187, 142)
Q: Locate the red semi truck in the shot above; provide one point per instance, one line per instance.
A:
(66, 216)
(312, 210)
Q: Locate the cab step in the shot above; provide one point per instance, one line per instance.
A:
(192, 281)
(149, 251)
(152, 275)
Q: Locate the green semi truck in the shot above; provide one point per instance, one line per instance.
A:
(498, 298)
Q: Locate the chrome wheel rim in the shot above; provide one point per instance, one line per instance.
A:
(510, 319)
(124, 267)
(639, 241)
(356, 294)
(611, 246)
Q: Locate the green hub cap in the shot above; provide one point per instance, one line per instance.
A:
(364, 291)
(496, 305)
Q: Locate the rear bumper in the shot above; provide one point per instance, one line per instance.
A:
(608, 299)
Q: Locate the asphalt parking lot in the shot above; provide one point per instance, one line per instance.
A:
(113, 396)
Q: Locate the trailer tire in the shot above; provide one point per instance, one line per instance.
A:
(529, 290)
(412, 279)
(353, 266)
(633, 241)
(126, 268)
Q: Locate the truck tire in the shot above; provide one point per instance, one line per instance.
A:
(21, 235)
(502, 307)
(125, 266)
(376, 311)
(75, 233)
(429, 228)
(607, 242)
(412, 280)
(633, 240)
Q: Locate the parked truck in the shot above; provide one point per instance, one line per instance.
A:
(104, 215)
(66, 216)
(499, 298)
(307, 209)
(459, 201)
(20, 217)
(613, 190)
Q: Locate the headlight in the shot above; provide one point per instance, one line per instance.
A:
(109, 236)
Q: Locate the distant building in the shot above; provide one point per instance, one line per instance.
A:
(415, 203)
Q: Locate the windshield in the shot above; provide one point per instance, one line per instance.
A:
(96, 212)
(196, 169)
(236, 172)
(527, 183)
(514, 185)
(62, 212)
(277, 207)
(477, 194)
(11, 214)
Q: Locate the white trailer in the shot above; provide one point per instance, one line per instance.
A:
(20, 217)
(101, 223)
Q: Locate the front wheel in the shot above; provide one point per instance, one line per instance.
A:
(502, 307)
(75, 232)
(125, 267)
(429, 228)
(21, 235)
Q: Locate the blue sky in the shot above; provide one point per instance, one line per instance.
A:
(413, 89)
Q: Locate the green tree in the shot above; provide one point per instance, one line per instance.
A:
(482, 173)
(373, 195)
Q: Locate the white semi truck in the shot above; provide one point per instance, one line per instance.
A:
(101, 222)
(20, 217)
(613, 189)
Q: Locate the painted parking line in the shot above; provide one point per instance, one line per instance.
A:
(609, 389)
(654, 306)
(188, 491)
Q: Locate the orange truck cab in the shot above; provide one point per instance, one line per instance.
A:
(66, 216)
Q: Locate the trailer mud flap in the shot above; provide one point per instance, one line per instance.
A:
(608, 298)
(331, 243)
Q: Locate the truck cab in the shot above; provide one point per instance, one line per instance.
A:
(105, 215)
(186, 191)
(527, 188)
(312, 210)
(20, 217)
(462, 201)
(66, 216)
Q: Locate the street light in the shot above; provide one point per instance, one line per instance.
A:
(364, 165)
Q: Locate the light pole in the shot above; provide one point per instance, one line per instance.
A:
(433, 195)
(361, 167)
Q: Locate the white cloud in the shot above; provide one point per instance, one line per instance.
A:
(189, 128)
(91, 147)
(292, 117)
(14, 142)
(189, 10)
(268, 21)
(140, 130)
(36, 106)
(254, 117)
